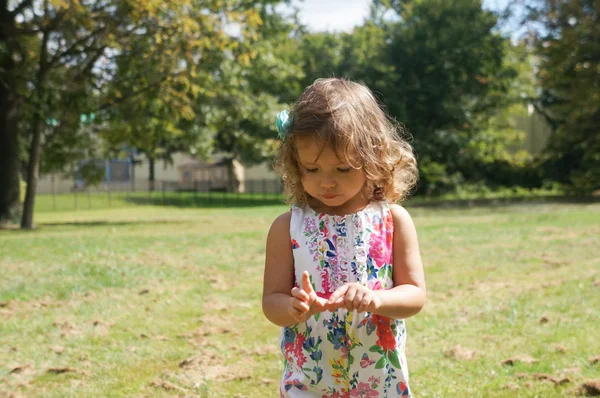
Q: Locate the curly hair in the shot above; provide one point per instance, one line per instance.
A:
(345, 116)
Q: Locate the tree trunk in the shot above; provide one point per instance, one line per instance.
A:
(233, 180)
(151, 174)
(35, 148)
(9, 158)
(9, 144)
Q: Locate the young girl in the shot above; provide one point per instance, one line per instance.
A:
(343, 268)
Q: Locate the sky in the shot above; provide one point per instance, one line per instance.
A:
(343, 15)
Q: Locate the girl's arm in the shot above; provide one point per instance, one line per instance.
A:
(279, 273)
(407, 298)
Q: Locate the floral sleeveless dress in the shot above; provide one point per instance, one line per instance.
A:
(344, 354)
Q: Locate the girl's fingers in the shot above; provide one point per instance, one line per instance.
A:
(364, 304)
(349, 299)
(306, 283)
(339, 303)
(335, 296)
(297, 315)
(300, 294)
(358, 298)
(300, 305)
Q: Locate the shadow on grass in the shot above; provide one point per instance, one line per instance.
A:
(108, 223)
(213, 201)
(496, 202)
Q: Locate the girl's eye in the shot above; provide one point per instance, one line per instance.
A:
(311, 170)
(344, 170)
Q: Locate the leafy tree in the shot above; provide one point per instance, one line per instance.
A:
(439, 68)
(566, 38)
(81, 44)
(236, 118)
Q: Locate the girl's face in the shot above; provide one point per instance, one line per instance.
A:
(325, 177)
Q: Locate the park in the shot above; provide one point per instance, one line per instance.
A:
(137, 189)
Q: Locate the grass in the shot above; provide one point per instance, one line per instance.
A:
(165, 301)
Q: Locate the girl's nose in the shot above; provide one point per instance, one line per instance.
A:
(327, 183)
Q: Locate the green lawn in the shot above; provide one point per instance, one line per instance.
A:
(165, 301)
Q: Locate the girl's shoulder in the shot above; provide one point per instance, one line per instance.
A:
(399, 212)
(281, 224)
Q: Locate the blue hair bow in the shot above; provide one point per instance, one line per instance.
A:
(283, 124)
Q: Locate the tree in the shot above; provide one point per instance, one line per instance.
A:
(80, 42)
(227, 105)
(251, 85)
(438, 67)
(566, 37)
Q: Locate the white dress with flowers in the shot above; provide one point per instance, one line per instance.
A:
(344, 354)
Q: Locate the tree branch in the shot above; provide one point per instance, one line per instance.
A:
(71, 49)
(138, 92)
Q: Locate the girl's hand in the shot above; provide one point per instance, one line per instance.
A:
(304, 302)
(354, 296)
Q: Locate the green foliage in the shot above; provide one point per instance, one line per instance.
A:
(440, 68)
(567, 45)
(220, 95)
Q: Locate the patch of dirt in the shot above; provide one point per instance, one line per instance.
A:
(209, 366)
(511, 387)
(167, 386)
(594, 360)
(67, 329)
(544, 319)
(460, 353)
(560, 348)
(209, 326)
(102, 327)
(553, 262)
(61, 370)
(519, 358)
(590, 388)
(218, 282)
(542, 376)
(22, 370)
(58, 349)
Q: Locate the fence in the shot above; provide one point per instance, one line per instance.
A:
(167, 193)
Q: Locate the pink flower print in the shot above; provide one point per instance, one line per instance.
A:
(336, 394)
(325, 284)
(298, 351)
(288, 348)
(294, 352)
(379, 250)
(374, 284)
(344, 350)
(363, 390)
